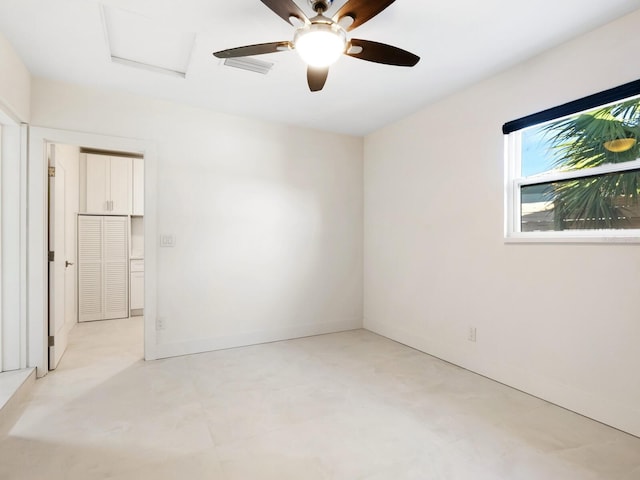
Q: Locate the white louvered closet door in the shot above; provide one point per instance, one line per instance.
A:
(90, 285)
(102, 267)
(116, 270)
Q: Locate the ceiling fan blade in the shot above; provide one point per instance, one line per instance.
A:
(286, 9)
(258, 49)
(361, 11)
(381, 53)
(316, 77)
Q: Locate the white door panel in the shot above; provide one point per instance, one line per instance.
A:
(137, 290)
(120, 185)
(115, 290)
(116, 265)
(90, 298)
(61, 241)
(97, 184)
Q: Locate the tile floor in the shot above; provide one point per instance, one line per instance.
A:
(346, 406)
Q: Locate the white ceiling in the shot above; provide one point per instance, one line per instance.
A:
(459, 42)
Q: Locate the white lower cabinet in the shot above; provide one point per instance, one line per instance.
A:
(136, 285)
(103, 254)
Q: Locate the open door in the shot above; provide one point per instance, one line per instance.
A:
(61, 255)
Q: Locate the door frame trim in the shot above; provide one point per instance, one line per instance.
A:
(37, 237)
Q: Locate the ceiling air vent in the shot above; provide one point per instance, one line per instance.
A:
(251, 64)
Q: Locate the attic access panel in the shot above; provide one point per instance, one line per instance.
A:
(141, 42)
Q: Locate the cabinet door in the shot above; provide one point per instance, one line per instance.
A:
(138, 186)
(116, 267)
(120, 185)
(137, 290)
(97, 183)
(90, 298)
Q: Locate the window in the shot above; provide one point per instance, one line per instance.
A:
(573, 172)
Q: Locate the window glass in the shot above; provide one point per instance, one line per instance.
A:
(537, 156)
(598, 202)
(579, 172)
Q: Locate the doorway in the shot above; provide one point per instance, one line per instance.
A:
(39, 280)
(96, 239)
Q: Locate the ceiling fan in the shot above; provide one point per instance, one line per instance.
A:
(321, 40)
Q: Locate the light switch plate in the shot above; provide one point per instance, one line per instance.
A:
(167, 240)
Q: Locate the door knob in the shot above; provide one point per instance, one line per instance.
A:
(67, 263)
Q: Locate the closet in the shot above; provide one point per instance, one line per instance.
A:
(110, 235)
(102, 267)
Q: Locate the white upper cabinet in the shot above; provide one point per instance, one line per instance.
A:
(120, 183)
(106, 186)
(138, 186)
(97, 168)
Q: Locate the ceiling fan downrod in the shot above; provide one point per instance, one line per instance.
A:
(320, 6)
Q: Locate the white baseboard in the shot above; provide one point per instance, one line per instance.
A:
(589, 404)
(166, 350)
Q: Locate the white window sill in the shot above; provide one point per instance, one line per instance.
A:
(632, 237)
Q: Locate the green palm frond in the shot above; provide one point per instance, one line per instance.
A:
(577, 143)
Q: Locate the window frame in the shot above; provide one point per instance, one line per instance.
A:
(514, 181)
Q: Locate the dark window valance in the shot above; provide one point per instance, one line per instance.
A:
(586, 103)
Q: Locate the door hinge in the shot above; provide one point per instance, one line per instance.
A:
(52, 256)
(52, 341)
(52, 171)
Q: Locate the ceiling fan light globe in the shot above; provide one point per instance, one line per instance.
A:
(320, 45)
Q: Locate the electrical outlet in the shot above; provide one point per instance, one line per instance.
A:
(160, 323)
(472, 334)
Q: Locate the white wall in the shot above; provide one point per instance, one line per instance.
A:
(559, 321)
(15, 83)
(15, 90)
(12, 341)
(267, 218)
